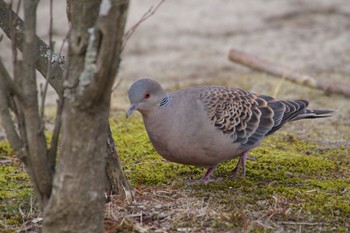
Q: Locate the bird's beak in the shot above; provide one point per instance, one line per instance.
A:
(131, 109)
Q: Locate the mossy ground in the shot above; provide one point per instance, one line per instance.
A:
(291, 185)
(16, 193)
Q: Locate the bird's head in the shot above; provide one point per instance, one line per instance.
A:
(144, 96)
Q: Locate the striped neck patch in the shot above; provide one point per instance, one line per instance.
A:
(165, 101)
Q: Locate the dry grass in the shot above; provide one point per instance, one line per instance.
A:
(181, 210)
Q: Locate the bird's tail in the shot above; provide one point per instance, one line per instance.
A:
(295, 110)
(309, 113)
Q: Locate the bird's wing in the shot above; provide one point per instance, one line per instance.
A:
(247, 117)
(293, 110)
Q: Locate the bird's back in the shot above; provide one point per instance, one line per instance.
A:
(247, 118)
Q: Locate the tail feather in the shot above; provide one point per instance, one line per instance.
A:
(309, 113)
(294, 110)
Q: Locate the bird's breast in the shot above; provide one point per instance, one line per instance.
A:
(188, 138)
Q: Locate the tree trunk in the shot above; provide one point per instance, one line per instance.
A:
(93, 62)
(80, 175)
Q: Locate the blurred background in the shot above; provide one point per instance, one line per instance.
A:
(187, 42)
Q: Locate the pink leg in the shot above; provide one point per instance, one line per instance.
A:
(206, 177)
(241, 162)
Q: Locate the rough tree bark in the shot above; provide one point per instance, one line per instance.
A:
(75, 202)
(93, 61)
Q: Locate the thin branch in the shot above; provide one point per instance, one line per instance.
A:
(13, 31)
(10, 129)
(10, 98)
(7, 122)
(56, 77)
(10, 85)
(279, 71)
(55, 137)
(115, 87)
(40, 172)
(51, 45)
(304, 223)
(144, 17)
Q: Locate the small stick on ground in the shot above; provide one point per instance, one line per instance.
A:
(277, 70)
(303, 223)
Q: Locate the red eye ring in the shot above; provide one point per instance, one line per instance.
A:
(147, 95)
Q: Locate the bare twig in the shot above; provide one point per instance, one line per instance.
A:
(10, 85)
(117, 84)
(277, 70)
(144, 17)
(13, 31)
(41, 175)
(55, 136)
(9, 126)
(303, 223)
(51, 45)
(58, 122)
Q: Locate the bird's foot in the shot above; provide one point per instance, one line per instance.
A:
(206, 178)
(241, 162)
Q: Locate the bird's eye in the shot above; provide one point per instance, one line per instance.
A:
(147, 95)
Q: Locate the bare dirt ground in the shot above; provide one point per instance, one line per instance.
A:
(187, 42)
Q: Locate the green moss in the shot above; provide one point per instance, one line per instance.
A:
(5, 149)
(15, 191)
(285, 172)
(313, 180)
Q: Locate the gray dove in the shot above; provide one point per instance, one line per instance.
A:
(207, 125)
